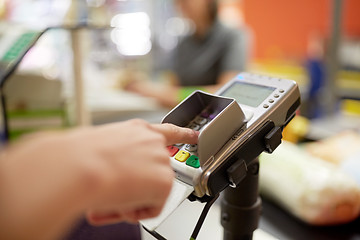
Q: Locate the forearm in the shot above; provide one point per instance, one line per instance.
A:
(166, 95)
(47, 182)
(41, 194)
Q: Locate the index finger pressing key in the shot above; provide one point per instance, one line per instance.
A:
(175, 134)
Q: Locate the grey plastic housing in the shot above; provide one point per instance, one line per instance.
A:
(228, 119)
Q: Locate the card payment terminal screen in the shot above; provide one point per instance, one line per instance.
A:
(248, 94)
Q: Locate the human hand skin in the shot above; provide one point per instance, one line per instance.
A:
(167, 95)
(115, 172)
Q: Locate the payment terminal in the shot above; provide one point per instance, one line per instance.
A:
(246, 106)
(243, 119)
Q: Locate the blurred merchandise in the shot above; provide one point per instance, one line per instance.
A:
(337, 148)
(296, 130)
(2, 9)
(323, 128)
(342, 150)
(34, 103)
(350, 106)
(311, 189)
(350, 53)
(348, 84)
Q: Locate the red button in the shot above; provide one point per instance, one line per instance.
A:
(172, 150)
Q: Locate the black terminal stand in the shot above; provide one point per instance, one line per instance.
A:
(241, 206)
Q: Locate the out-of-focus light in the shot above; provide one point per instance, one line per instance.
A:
(168, 42)
(178, 26)
(119, 34)
(132, 20)
(132, 33)
(133, 49)
(175, 26)
(132, 41)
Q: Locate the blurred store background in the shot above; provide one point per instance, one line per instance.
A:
(288, 39)
(100, 44)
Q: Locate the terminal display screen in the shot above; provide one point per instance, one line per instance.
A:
(248, 94)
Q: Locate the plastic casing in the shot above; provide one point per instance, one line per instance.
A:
(228, 119)
(233, 125)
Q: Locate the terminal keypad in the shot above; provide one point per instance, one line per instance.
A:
(187, 153)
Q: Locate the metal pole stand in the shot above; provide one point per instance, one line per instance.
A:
(241, 206)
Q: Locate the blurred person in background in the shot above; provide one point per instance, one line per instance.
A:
(205, 59)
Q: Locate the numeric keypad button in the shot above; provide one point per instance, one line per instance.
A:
(191, 147)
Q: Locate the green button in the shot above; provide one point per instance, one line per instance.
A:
(193, 161)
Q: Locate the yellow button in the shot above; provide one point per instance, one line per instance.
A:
(182, 156)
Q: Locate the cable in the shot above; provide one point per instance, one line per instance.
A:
(197, 226)
(155, 234)
(202, 217)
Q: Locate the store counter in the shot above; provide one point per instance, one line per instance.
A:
(282, 225)
(111, 105)
(275, 223)
(181, 223)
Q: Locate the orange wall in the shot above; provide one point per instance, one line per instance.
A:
(282, 27)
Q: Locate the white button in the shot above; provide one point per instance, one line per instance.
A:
(200, 120)
(281, 90)
(194, 126)
(271, 100)
(191, 147)
(276, 95)
(265, 106)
